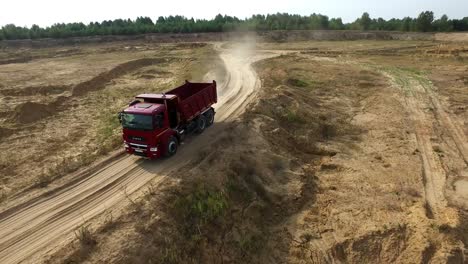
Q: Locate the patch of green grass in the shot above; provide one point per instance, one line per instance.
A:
(404, 77)
(108, 131)
(201, 206)
(292, 116)
(400, 78)
(109, 122)
(424, 81)
(297, 82)
(411, 70)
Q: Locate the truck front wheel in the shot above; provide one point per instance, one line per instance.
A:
(172, 145)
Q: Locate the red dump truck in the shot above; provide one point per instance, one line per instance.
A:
(155, 124)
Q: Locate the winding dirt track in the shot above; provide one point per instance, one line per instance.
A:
(32, 228)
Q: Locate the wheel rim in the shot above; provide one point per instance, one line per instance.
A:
(211, 117)
(172, 147)
(202, 124)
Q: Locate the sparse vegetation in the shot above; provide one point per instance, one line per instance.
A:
(297, 82)
(200, 207)
(292, 116)
(85, 236)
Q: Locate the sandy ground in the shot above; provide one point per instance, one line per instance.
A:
(353, 152)
(430, 155)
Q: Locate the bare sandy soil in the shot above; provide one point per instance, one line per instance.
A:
(347, 152)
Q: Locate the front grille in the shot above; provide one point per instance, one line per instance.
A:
(138, 149)
(138, 146)
(141, 139)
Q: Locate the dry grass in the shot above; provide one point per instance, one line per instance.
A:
(85, 236)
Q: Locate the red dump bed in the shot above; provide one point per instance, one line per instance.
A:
(194, 98)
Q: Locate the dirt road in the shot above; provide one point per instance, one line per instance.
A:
(437, 136)
(34, 227)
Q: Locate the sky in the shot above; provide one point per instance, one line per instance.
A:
(47, 12)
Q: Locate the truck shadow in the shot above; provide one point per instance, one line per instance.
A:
(192, 148)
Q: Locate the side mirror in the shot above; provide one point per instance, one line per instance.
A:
(120, 117)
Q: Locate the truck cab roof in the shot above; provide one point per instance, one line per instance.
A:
(144, 108)
(156, 96)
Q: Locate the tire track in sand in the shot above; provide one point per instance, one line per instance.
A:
(428, 117)
(34, 227)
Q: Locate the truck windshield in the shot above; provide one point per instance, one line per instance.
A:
(134, 121)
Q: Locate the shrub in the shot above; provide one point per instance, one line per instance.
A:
(85, 236)
(294, 117)
(44, 180)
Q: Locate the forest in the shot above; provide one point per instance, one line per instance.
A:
(425, 22)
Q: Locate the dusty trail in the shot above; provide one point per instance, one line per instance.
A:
(34, 227)
(430, 121)
(434, 174)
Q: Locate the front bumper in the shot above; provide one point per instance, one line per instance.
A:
(142, 150)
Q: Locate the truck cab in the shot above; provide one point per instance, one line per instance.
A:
(153, 125)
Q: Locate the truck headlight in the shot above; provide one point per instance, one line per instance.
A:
(154, 149)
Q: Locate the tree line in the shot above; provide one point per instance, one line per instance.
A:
(425, 22)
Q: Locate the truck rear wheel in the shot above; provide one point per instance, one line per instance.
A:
(201, 124)
(172, 146)
(209, 115)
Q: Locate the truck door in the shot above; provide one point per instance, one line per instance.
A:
(172, 113)
(159, 120)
